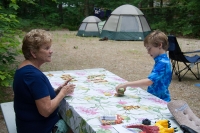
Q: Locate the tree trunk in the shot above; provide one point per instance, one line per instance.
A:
(86, 8)
(42, 4)
(161, 3)
(5, 4)
(60, 10)
(140, 5)
(151, 3)
(151, 6)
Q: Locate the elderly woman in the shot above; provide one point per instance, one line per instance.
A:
(35, 101)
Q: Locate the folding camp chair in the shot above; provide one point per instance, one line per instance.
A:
(176, 56)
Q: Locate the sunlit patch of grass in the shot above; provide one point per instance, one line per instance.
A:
(133, 51)
(188, 44)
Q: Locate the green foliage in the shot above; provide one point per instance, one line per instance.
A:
(178, 17)
(8, 44)
(178, 20)
(8, 51)
(72, 18)
(50, 16)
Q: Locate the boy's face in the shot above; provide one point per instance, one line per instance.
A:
(154, 51)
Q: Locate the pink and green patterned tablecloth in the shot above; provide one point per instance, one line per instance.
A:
(94, 97)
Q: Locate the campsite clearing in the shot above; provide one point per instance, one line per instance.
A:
(127, 59)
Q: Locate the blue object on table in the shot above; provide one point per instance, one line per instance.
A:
(197, 85)
(108, 118)
(146, 122)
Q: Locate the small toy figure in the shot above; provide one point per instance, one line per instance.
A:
(145, 128)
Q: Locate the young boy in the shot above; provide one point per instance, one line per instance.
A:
(160, 77)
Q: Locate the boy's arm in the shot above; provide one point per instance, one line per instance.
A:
(137, 83)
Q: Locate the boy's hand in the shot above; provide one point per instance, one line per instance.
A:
(121, 91)
(119, 87)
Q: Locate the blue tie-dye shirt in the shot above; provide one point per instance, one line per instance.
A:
(161, 76)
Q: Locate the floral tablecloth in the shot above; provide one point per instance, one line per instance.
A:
(94, 97)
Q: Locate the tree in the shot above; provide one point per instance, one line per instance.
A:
(8, 42)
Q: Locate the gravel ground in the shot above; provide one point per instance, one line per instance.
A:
(127, 59)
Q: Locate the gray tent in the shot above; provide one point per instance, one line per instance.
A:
(126, 22)
(89, 27)
(100, 25)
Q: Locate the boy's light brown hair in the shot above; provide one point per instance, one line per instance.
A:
(156, 38)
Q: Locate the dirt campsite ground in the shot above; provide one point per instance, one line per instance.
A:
(127, 59)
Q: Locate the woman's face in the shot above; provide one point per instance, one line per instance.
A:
(44, 53)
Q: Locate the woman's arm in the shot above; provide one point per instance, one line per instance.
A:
(46, 106)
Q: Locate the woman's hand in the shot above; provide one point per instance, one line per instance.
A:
(67, 89)
(60, 87)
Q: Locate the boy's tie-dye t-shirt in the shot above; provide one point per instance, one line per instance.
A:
(161, 76)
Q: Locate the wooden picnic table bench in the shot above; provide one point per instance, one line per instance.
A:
(9, 116)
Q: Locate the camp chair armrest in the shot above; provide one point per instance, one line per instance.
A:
(190, 52)
(180, 53)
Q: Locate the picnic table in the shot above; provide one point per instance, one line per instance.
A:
(94, 97)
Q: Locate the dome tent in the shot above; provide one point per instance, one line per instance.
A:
(100, 25)
(126, 22)
(89, 27)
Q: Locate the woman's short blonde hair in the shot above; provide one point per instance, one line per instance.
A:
(33, 40)
(156, 38)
